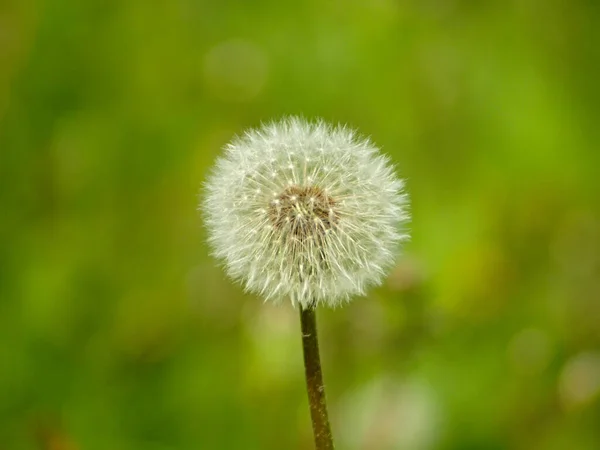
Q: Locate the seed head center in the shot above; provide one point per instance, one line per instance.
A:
(303, 211)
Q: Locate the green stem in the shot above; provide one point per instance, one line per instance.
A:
(314, 380)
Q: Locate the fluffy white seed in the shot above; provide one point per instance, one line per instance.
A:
(305, 211)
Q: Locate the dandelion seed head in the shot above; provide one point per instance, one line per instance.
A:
(305, 211)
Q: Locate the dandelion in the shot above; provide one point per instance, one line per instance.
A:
(307, 212)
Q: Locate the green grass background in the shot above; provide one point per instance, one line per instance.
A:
(117, 329)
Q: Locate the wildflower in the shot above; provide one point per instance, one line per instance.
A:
(305, 211)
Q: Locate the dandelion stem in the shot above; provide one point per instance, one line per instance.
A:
(314, 380)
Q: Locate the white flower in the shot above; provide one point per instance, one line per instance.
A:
(305, 211)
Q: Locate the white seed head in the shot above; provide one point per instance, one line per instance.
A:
(305, 211)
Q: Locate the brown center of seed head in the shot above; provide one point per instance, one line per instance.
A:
(306, 212)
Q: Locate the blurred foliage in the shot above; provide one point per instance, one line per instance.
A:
(118, 331)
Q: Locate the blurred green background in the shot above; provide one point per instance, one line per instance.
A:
(118, 330)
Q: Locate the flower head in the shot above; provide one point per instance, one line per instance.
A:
(305, 211)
